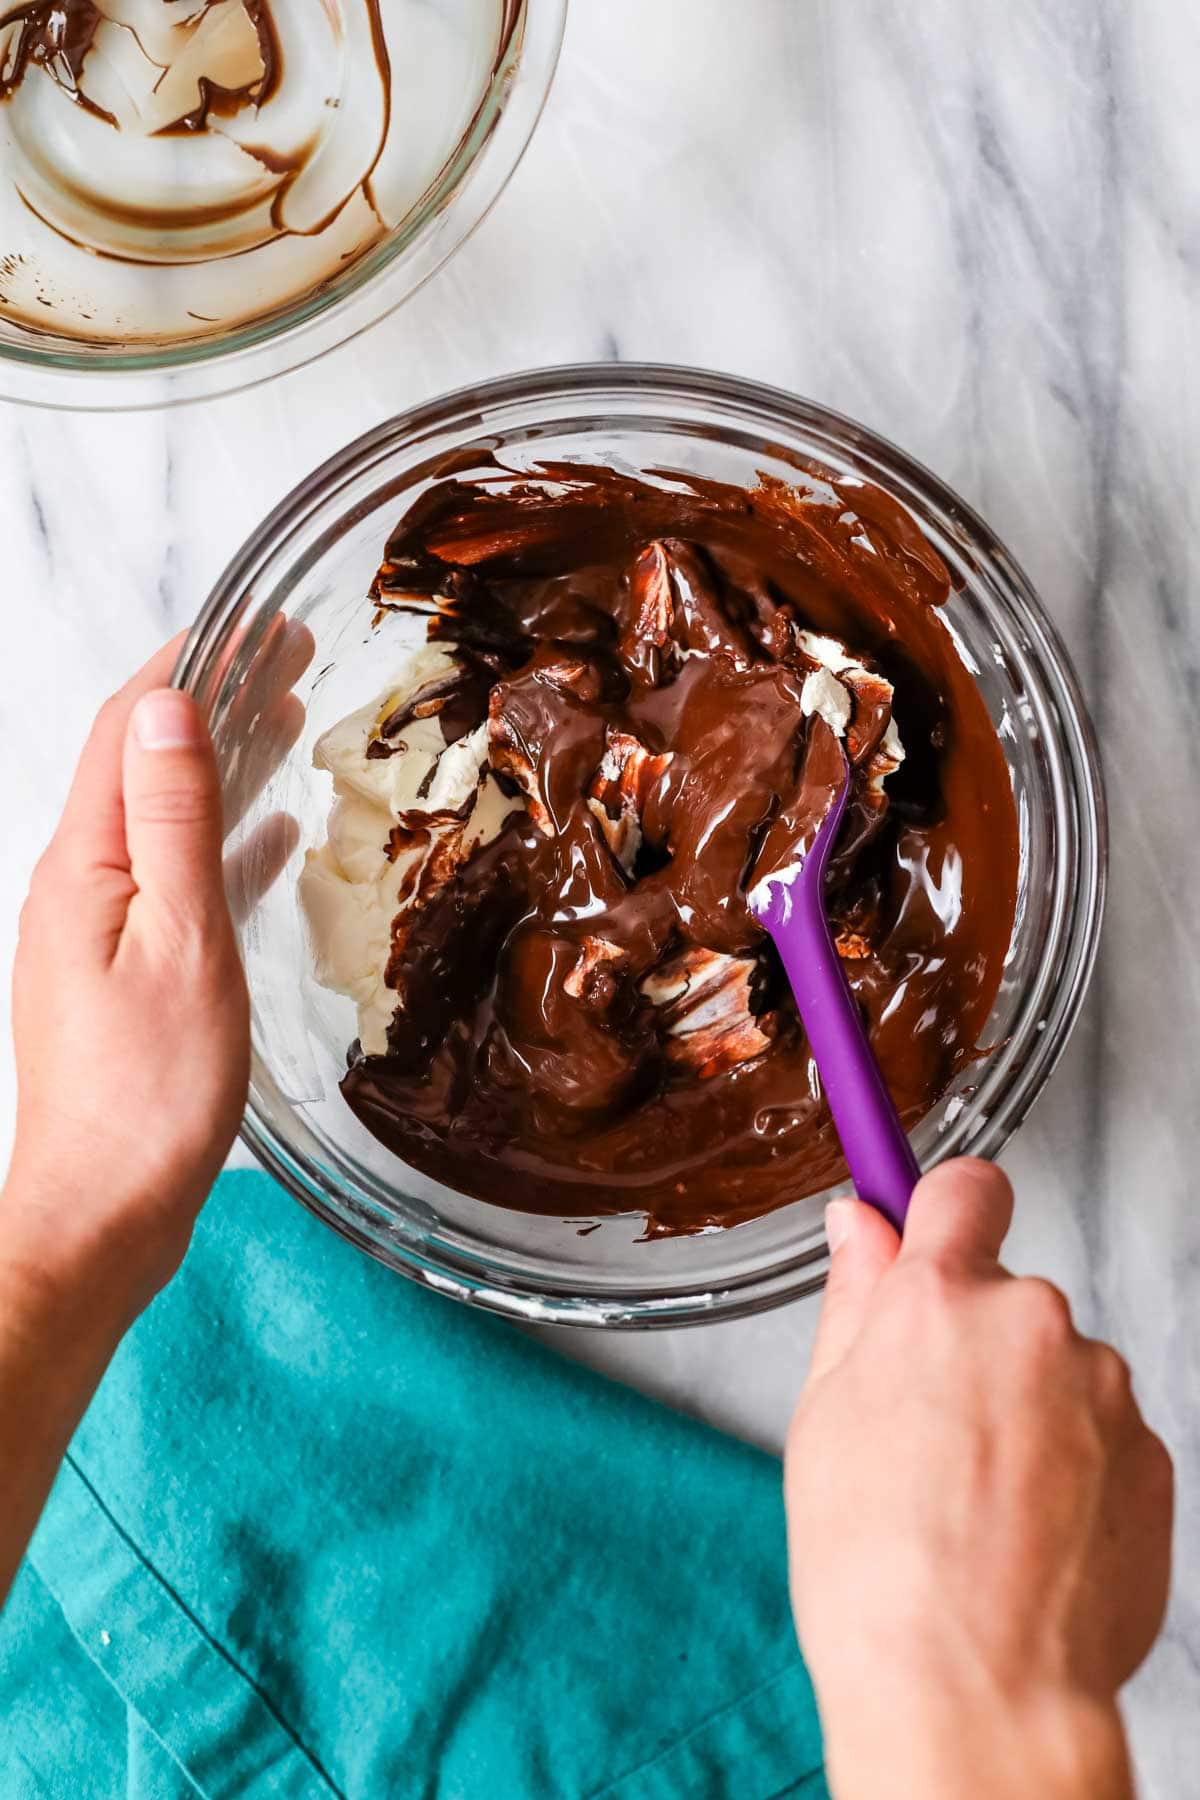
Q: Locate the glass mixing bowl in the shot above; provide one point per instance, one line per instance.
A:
(335, 154)
(307, 570)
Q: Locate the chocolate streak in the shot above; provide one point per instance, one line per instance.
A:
(591, 1020)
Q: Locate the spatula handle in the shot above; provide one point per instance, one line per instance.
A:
(792, 908)
(879, 1156)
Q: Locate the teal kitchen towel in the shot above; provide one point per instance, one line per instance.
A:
(323, 1533)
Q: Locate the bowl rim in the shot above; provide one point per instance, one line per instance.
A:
(634, 387)
(459, 198)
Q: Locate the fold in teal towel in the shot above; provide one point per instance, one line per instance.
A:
(324, 1533)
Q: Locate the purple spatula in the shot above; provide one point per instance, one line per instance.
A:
(791, 906)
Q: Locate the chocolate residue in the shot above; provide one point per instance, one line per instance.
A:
(223, 102)
(54, 35)
(591, 1020)
(212, 75)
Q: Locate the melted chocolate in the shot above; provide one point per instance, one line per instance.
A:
(592, 1020)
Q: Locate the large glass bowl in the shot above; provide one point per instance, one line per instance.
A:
(307, 570)
(93, 330)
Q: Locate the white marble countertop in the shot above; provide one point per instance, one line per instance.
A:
(975, 227)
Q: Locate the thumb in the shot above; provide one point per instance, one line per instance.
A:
(862, 1248)
(172, 793)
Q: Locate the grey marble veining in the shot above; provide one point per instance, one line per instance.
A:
(975, 227)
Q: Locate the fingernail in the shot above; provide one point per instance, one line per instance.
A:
(166, 720)
(838, 1215)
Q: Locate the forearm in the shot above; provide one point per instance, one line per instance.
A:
(939, 1741)
(62, 1314)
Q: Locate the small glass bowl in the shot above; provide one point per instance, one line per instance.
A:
(307, 569)
(272, 335)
